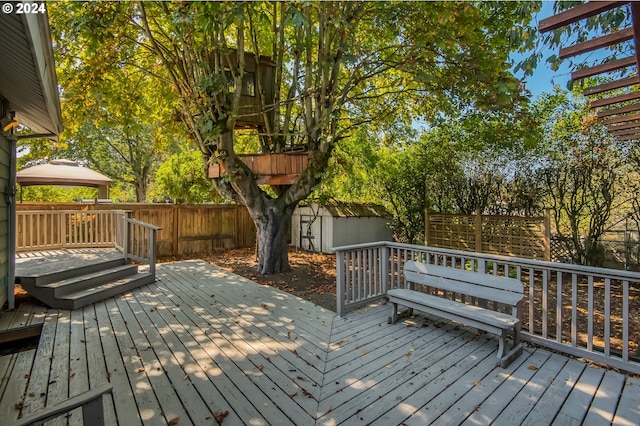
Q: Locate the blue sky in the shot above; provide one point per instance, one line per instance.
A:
(543, 78)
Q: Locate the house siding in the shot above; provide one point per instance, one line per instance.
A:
(5, 252)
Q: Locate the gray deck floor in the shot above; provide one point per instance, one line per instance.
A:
(203, 344)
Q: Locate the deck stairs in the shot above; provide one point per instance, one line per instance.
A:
(75, 286)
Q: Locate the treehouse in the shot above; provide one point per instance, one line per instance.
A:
(251, 113)
(270, 169)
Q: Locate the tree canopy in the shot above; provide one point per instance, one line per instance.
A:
(315, 72)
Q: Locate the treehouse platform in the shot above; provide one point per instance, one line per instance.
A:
(270, 169)
(204, 346)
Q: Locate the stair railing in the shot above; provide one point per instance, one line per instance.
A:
(137, 240)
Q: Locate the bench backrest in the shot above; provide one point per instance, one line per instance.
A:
(508, 291)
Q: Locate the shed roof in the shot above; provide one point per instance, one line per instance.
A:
(337, 209)
(61, 172)
(27, 71)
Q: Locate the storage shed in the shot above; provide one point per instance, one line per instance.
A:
(319, 228)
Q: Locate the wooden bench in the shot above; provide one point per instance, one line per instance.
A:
(449, 295)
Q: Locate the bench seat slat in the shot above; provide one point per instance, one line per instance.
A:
(500, 289)
(464, 311)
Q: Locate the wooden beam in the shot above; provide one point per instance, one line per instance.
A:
(615, 100)
(624, 126)
(621, 119)
(577, 13)
(606, 67)
(616, 111)
(20, 333)
(625, 82)
(597, 43)
(625, 132)
(635, 22)
(628, 138)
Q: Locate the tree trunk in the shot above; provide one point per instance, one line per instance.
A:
(272, 226)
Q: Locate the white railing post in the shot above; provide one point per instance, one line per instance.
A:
(125, 234)
(151, 250)
(340, 283)
(384, 268)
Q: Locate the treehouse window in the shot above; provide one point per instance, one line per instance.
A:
(248, 83)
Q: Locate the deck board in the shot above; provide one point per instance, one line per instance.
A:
(202, 343)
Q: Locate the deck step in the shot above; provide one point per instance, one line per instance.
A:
(68, 271)
(94, 294)
(75, 284)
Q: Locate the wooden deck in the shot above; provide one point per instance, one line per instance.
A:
(203, 345)
(34, 264)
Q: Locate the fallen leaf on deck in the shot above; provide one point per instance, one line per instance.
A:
(173, 421)
(219, 416)
(532, 367)
(477, 383)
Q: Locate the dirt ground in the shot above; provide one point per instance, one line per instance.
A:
(312, 276)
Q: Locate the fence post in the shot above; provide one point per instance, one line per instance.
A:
(547, 235)
(478, 232)
(175, 246)
(340, 283)
(426, 227)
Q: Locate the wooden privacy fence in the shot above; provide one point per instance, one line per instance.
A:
(520, 236)
(186, 229)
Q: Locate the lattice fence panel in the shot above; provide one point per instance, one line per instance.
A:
(517, 236)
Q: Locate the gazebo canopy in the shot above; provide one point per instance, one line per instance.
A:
(65, 173)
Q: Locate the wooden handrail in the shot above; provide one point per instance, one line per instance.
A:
(91, 403)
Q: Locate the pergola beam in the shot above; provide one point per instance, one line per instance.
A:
(615, 100)
(631, 125)
(625, 82)
(606, 67)
(616, 111)
(597, 43)
(622, 119)
(628, 138)
(577, 13)
(625, 132)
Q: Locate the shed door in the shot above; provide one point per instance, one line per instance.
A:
(311, 232)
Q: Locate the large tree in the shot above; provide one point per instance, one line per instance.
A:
(118, 119)
(337, 65)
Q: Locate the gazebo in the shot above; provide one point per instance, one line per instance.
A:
(64, 173)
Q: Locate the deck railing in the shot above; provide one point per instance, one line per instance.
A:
(136, 239)
(54, 230)
(65, 229)
(583, 311)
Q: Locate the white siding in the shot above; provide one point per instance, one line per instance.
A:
(329, 231)
(358, 230)
(5, 156)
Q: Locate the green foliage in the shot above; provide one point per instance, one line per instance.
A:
(117, 118)
(581, 169)
(56, 194)
(181, 178)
